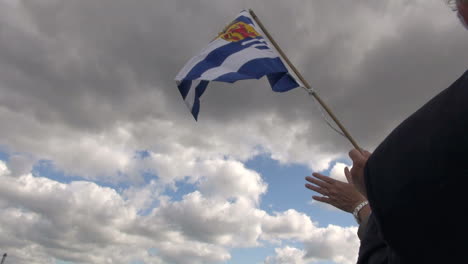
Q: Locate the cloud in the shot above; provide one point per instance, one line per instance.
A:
(288, 225)
(214, 221)
(4, 169)
(333, 243)
(337, 172)
(20, 164)
(94, 81)
(286, 255)
(43, 220)
(230, 179)
(99, 82)
(44, 217)
(339, 244)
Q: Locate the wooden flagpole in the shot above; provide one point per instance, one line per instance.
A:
(304, 81)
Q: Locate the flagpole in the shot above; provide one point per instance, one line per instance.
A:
(304, 81)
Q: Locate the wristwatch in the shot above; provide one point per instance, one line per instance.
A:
(357, 209)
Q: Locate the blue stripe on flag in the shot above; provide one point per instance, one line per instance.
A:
(254, 69)
(245, 20)
(184, 87)
(216, 57)
(282, 82)
(233, 77)
(263, 66)
(199, 90)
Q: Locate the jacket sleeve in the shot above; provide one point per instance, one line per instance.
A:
(373, 248)
(362, 228)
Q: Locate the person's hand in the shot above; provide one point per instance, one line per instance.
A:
(339, 194)
(357, 171)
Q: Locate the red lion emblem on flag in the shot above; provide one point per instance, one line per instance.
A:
(238, 31)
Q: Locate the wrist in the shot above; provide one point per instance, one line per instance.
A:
(364, 213)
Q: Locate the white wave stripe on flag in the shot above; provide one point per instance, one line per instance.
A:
(253, 40)
(258, 45)
(234, 62)
(190, 98)
(201, 57)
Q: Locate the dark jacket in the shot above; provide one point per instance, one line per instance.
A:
(417, 186)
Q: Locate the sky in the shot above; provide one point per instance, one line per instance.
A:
(101, 162)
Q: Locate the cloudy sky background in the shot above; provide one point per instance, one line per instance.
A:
(101, 162)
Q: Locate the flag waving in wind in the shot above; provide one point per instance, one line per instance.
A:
(239, 52)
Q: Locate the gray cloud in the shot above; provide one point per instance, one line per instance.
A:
(89, 65)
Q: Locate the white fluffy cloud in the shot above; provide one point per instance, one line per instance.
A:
(336, 243)
(4, 169)
(286, 255)
(339, 244)
(288, 225)
(43, 220)
(333, 243)
(41, 217)
(337, 172)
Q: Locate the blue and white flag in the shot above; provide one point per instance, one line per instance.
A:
(239, 52)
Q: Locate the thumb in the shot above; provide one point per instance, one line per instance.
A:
(367, 154)
(348, 175)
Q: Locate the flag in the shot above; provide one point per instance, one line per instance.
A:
(239, 52)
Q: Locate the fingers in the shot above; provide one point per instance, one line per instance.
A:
(355, 155)
(367, 154)
(358, 158)
(324, 178)
(322, 199)
(317, 182)
(322, 191)
(322, 183)
(359, 153)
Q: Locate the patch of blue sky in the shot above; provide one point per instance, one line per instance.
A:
(250, 255)
(142, 154)
(153, 251)
(3, 154)
(147, 175)
(286, 190)
(259, 254)
(46, 168)
(181, 188)
(137, 262)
